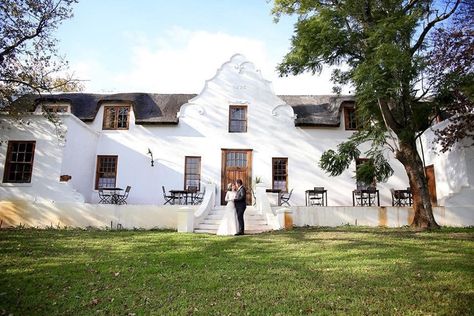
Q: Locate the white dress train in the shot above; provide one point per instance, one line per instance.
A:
(228, 225)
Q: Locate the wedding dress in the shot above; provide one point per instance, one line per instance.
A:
(228, 225)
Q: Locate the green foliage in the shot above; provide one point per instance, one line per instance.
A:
(336, 162)
(376, 168)
(383, 49)
(323, 271)
(29, 60)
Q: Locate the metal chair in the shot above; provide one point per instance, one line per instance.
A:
(317, 198)
(370, 196)
(169, 199)
(122, 198)
(198, 198)
(284, 199)
(191, 190)
(400, 198)
(104, 198)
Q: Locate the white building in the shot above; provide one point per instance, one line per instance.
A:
(236, 127)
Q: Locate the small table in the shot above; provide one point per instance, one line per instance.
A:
(278, 191)
(113, 193)
(367, 197)
(181, 193)
(324, 197)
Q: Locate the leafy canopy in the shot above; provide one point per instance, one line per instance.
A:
(29, 60)
(379, 47)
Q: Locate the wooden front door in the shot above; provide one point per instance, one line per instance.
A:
(236, 164)
(430, 177)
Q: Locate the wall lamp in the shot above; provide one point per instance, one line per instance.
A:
(151, 156)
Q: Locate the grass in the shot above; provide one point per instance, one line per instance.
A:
(323, 271)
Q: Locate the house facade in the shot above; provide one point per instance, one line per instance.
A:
(236, 127)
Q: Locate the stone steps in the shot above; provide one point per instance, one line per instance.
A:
(255, 223)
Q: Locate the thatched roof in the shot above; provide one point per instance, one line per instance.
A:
(150, 108)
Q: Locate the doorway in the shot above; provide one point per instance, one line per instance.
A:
(236, 164)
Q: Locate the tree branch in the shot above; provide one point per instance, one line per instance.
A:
(430, 25)
(387, 115)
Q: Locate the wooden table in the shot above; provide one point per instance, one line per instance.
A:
(366, 197)
(324, 197)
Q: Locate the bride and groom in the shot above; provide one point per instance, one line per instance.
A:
(233, 221)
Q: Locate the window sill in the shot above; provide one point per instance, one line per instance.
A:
(16, 184)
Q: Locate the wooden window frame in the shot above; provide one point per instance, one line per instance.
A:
(9, 163)
(286, 172)
(97, 169)
(244, 120)
(116, 118)
(347, 112)
(56, 108)
(186, 173)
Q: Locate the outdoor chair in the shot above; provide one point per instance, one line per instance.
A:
(317, 198)
(198, 198)
(370, 196)
(169, 199)
(122, 198)
(193, 191)
(285, 198)
(104, 198)
(399, 198)
(358, 197)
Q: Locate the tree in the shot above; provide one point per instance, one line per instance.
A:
(451, 74)
(29, 60)
(383, 46)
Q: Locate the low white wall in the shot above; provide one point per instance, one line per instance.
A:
(14, 213)
(376, 216)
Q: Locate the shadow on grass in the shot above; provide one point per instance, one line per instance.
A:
(325, 270)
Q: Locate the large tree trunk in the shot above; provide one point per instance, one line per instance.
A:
(409, 157)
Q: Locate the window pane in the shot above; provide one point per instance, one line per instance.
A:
(192, 169)
(238, 119)
(280, 176)
(106, 171)
(19, 162)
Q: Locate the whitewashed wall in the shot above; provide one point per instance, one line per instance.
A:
(454, 170)
(203, 131)
(48, 158)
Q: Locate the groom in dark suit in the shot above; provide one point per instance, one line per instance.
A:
(240, 202)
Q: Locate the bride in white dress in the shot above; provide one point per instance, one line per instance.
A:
(228, 225)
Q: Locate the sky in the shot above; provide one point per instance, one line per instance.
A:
(174, 46)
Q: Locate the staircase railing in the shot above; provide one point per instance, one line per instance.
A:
(265, 208)
(208, 203)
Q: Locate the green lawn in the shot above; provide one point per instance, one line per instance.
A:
(344, 270)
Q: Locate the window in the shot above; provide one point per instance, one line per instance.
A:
(19, 162)
(280, 174)
(350, 121)
(56, 108)
(237, 119)
(116, 117)
(192, 172)
(106, 172)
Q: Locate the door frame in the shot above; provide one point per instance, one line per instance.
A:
(223, 172)
(431, 181)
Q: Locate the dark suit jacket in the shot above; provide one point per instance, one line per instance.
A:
(240, 200)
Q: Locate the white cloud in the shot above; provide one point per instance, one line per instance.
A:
(182, 60)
